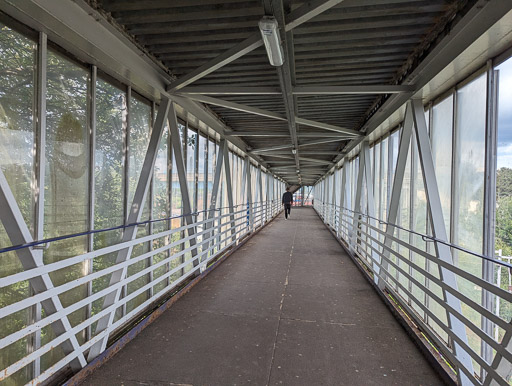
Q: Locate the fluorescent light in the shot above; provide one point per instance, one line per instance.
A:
(270, 34)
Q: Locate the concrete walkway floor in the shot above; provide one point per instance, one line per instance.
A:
(288, 308)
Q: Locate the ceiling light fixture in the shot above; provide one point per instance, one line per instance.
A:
(270, 34)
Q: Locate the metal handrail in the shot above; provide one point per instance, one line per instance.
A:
(366, 242)
(227, 229)
(124, 226)
(426, 237)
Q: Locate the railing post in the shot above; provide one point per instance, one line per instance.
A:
(229, 188)
(357, 204)
(342, 196)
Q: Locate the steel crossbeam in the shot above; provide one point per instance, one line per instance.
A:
(215, 190)
(439, 231)
(130, 233)
(177, 148)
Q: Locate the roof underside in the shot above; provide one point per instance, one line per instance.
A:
(360, 43)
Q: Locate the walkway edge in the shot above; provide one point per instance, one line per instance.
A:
(432, 356)
(111, 351)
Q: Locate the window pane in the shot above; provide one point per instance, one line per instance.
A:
(442, 153)
(109, 176)
(161, 206)
(66, 180)
(503, 237)
(140, 118)
(17, 55)
(470, 167)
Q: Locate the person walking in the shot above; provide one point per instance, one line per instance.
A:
(287, 202)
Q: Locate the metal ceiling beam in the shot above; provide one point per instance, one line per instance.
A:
(298, 90)
(270, 134)
(249, 44)
(314, 160)
(319, 152)
(307, 12)
(290, 146)
(268, 114)
(326, 126)
(350, 90)
(296, 18)
(319, 142)
(236, 106)
(202, 90)
(271, 148)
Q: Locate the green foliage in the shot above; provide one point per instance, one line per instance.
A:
(503, 183)
(504, 211)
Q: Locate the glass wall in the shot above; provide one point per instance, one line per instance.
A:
(17, 141)
(92, 162)
(503, 191)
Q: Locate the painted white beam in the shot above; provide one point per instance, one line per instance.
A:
(352, 90)
(326, 126)
(319, 142)
(248, 45)
(314, 160)
(177, 148)
(216, 90)
(236, 106)
(307, 12)
(438, 226)
(271, 134)
(298, 90)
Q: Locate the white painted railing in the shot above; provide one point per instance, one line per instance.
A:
(410, 272)
(213, 237)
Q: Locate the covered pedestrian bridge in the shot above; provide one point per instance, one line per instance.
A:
(144, 150)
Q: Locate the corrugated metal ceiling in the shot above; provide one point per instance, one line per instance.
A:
(354, 43)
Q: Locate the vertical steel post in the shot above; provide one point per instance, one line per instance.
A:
(182, 177)
(357, 202)
(215, 191)
(249, 194)
(260, 196)
(126, 156)
(403, 151)
(229, 188)
(333, 201)
(342, 195)
(91, 96)
(371, 209)
(40, 170)
(489, 201)
(151, 205)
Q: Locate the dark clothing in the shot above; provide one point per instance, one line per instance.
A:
(287, 210)
(287, 198)
(287, 202)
